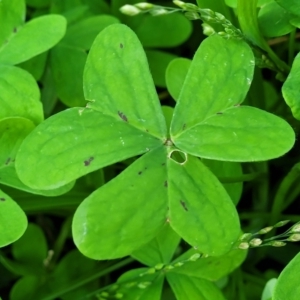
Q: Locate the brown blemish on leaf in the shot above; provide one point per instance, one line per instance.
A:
(8, 161)
(88, 161)
(219, 113)
(183, 205)
(15, 29)
(2, 199)
(122, 116)
(183, 126)
(166, 183)
(140, 172)
(121, 45)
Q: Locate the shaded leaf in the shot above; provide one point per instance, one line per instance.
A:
(274, 20)
(292, 6)
(126, 213)
(210, 268)
(175, 75)
(188, 287)
(160, 250)
(163, 31)
(290, 88)
(158, 62)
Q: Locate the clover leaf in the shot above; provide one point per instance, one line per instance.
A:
(168, 184)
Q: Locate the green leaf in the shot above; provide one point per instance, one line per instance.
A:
(158, 62)
(126, 213)
(83, 33)
(67, 65)
(12, 133)
(196, 198)
(287, 286)
(247, 15)
(9, 177)
(188, 287)
(216, 80)
(175, 75)
(135, 287)
(210, 268)
(290, 88)
(12, 16)
(13, 221)
(160, 250)
(19, 94)
(293, 6)
(73, 143)
(36, 65)
(225, 169)
(47, 31)
(164, 31)
(274, 21)
(118, 56)
(269, 289)
(31, 249)
(25, 288)
(237, 135)
(38, 3)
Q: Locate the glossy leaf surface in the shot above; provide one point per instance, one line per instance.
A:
(132, 209)
(73, 143)
(197, 197)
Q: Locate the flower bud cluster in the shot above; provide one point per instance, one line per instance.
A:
(248, 240)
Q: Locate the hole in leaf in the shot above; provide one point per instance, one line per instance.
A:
(178, 156)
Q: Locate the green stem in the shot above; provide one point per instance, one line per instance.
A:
(281, 195)
(291, 47)
(244, 177)
(86, 280)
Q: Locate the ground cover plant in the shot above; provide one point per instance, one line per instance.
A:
(148, 150)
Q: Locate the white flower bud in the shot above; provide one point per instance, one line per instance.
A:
(144, 5)
(243, 246)
(179, 3)
(158, 12)
(295, 228)
(129, 10)
(255, 242)
(294, 237)
(265, 230)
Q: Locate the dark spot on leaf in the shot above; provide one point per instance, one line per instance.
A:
(8, 161)
(145, 168)
(183, 126)
(147, 130)
(122, 116)
(163, 164)
(88, 161)
(183, 205)
(15, 29)
(166, 183)
(2, 199)
(140, 172)
(219, 113)
(121, 45)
